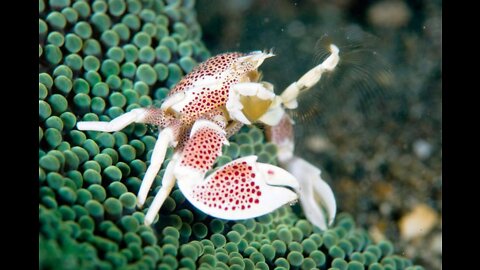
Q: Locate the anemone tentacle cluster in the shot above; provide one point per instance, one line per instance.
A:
(99, 59)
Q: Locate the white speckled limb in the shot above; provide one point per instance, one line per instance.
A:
(309, 79)
(203, 123)
(168, 182)
(119, 123)
(205, 153)
(315, 194)
(175, 169)
(165, 139)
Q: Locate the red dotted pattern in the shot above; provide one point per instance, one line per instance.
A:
(206, 103)
(208, 98)
(211, 115)
(231, 189)
(233, 128)
(182, 140)
(202, 149)
(212, 66)
(158, 117)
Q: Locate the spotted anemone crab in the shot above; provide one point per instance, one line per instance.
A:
(201, 112)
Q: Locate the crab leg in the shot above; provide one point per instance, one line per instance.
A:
(309, 79)
(165, 139)
(201, 150)
(233, 128)
(119, 123)
(316, 196)
(315, 193)
(209, 137)
(168, 182)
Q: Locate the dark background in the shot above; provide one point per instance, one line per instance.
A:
(374, 126)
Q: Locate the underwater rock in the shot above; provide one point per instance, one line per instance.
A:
(389, 14)
(418, 222)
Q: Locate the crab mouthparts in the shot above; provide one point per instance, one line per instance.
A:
(254, 107)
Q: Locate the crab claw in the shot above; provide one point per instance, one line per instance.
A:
(316, 196)
(241, 189)
(197, 157)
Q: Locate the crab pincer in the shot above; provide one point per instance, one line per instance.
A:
(241, 189)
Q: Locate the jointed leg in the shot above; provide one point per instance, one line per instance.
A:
(309, 79)
(119, 123)
(316, 196)
(282, 136)
(165, 139)
(154, 116)
(168, 182)
(233, 128)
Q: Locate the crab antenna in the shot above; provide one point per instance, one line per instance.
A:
(165, 139)
(119, 123)
(309, 79)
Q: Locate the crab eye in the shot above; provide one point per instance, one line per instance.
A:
(253, 59)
